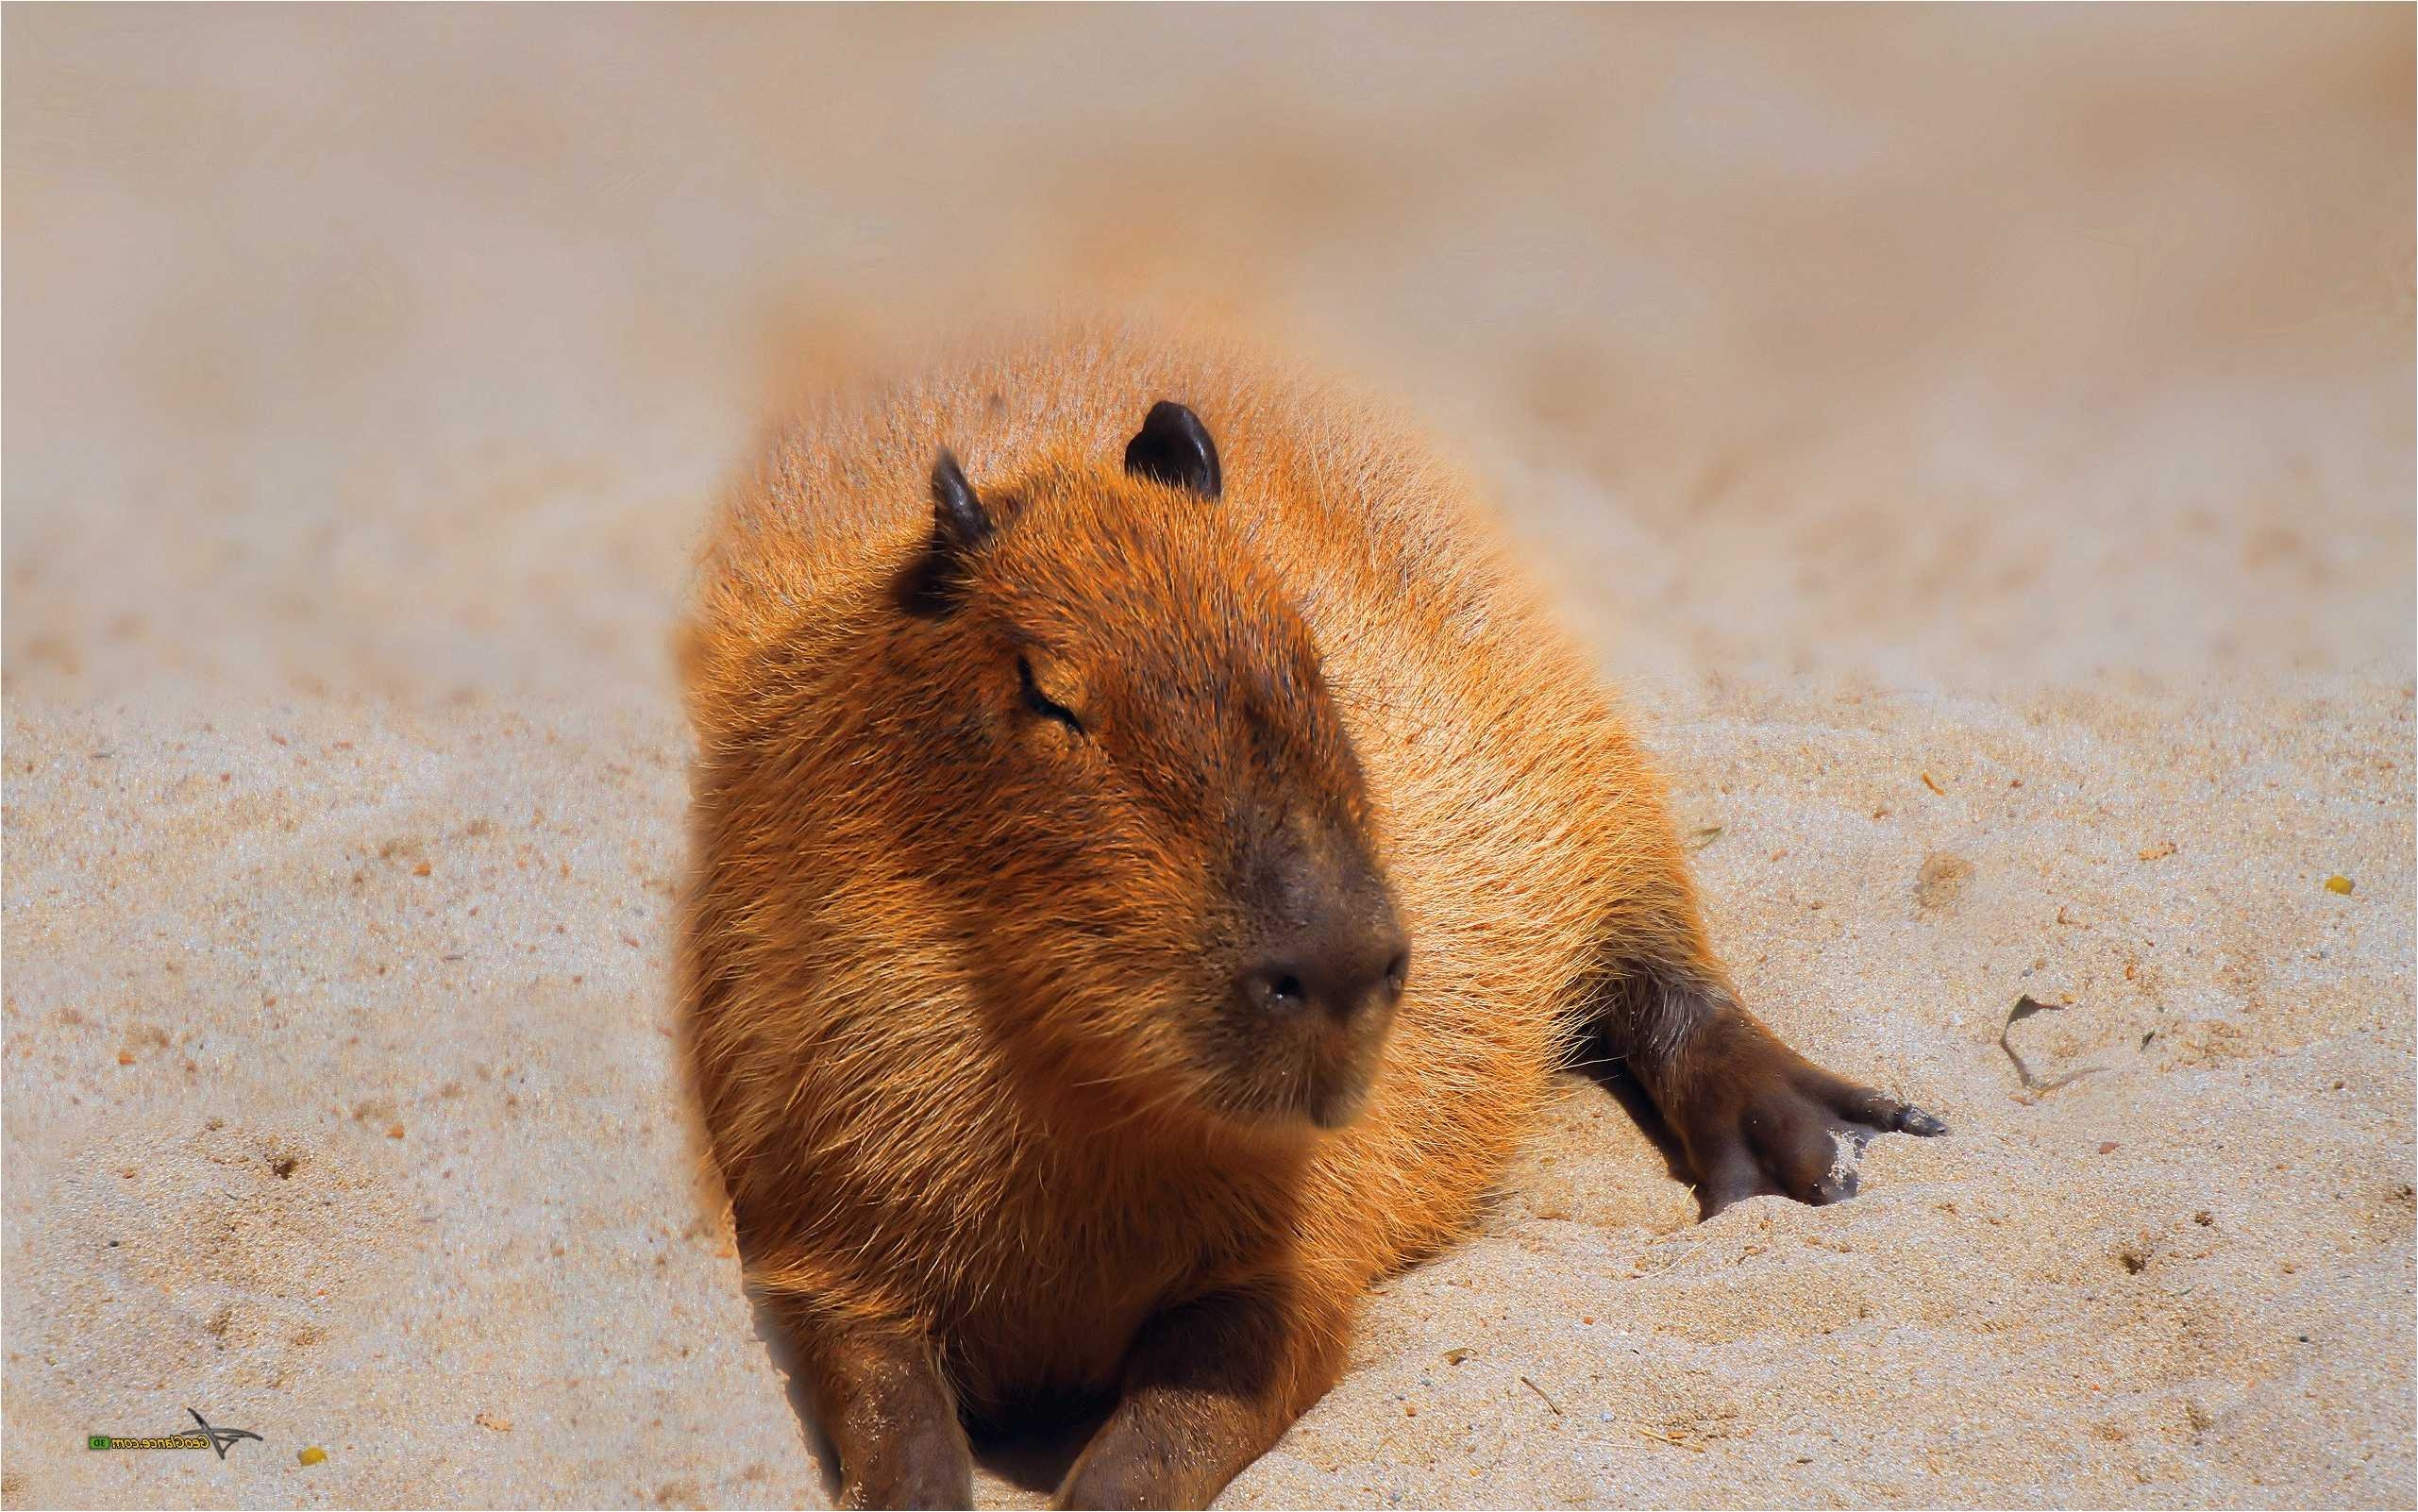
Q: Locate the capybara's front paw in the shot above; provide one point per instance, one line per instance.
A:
(1126, 1473)
(925, 1469)
(1141, 1461)
(1104, 1486)
(1762, 1120)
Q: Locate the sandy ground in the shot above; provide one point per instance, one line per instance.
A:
(1981, 443)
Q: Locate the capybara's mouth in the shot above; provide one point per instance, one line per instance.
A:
(1327, 1089)
(1332, 1108)
(1314, 1111)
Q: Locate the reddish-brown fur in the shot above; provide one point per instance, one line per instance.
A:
(952, 968)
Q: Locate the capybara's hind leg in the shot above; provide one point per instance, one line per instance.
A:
(1208, 1387)
(1755, 1117)
(881, 1400)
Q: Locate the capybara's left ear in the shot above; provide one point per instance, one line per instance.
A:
(961, 525)
(1174, 449)
(959, 522)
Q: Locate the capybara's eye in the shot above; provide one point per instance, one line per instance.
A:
(1040, 702)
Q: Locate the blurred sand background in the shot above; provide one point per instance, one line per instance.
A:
(1981, 441)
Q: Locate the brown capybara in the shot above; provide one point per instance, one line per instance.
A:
(1153, 852)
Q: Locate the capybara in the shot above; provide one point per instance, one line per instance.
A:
(1153, 854)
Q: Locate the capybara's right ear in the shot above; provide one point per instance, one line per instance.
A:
(1173, 447)
(935, 582)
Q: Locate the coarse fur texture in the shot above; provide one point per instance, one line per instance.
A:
(983, 811)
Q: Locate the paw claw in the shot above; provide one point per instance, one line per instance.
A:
(1913, 1120)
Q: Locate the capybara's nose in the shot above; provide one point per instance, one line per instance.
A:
(1338, 968)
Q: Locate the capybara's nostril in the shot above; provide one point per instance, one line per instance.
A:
(1280, 990)
(1274, 989)
(1343, 977)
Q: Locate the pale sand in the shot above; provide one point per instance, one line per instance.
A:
(2019, 398)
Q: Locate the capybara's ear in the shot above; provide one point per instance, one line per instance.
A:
(935, 580)
(959, 522)
(1174, 449)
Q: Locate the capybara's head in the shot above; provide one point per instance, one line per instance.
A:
(1142, 806)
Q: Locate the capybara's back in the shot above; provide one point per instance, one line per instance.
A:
(1153, 854)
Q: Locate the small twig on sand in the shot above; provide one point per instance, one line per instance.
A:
(1672, 1440)
(1540, 1393)
(1686, 1255)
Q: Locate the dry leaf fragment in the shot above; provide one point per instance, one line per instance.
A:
(2159, 851)
(2025, 1008)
